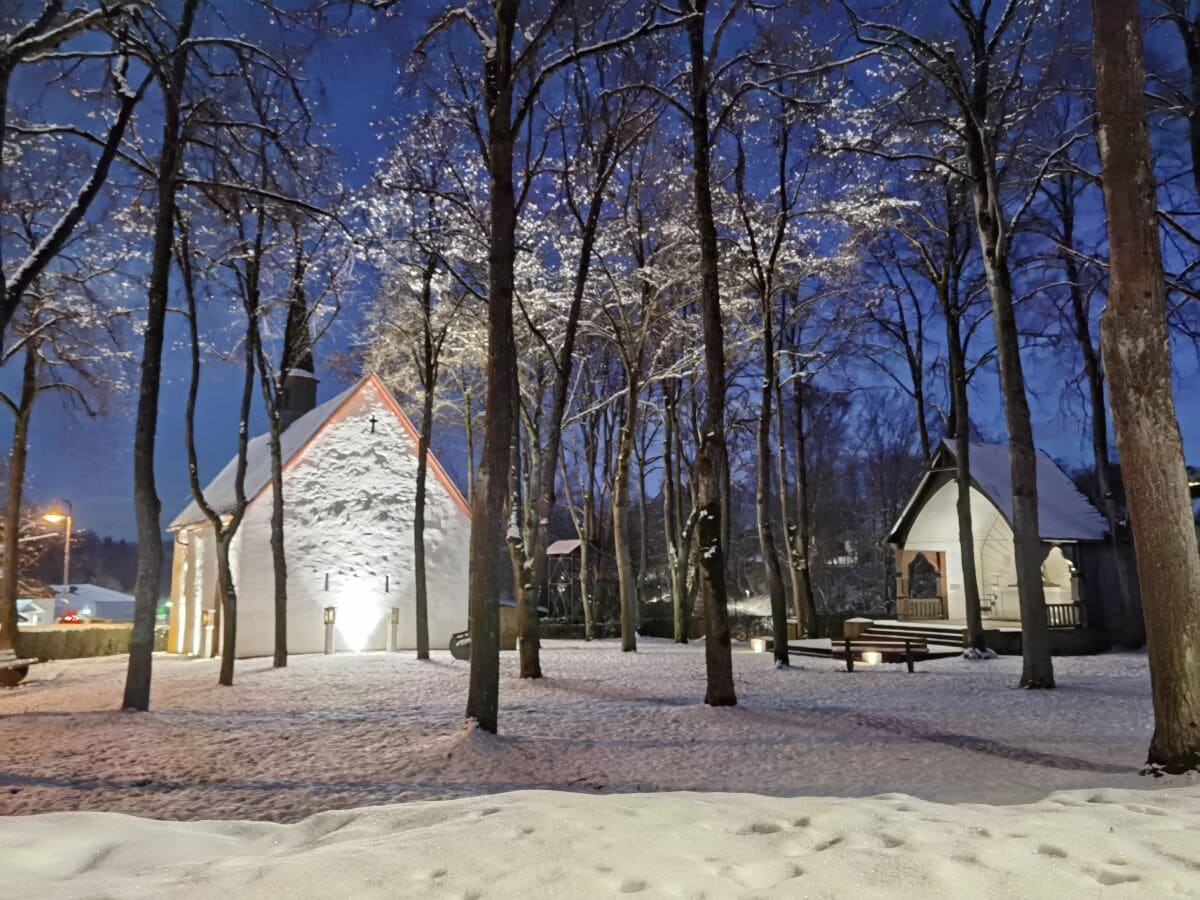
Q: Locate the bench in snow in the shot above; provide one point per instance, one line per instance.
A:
(887, 646)
(13, 670)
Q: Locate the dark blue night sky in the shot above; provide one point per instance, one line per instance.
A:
(90, 461)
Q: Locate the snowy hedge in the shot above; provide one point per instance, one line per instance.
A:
(74, 641)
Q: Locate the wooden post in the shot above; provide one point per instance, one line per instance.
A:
(849, 656)
(908, 656)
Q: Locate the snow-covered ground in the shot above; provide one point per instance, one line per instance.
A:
(354, 730)
(1118, 843)
(340, 736)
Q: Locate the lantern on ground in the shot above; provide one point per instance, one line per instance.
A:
(330, 620)
(393, 625)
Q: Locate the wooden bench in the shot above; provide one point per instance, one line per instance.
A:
(13, 670)
(886, 646)
(460, 645)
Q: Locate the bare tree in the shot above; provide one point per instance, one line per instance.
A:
(170, 70)
(47, 39)
(1138, 362)
(713, 468)
(517, 56)
(984, 90)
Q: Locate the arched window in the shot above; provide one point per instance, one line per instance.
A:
(923, 578)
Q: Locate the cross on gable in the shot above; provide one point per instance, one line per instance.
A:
(372, 420)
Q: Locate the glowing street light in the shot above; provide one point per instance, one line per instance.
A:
(61, 512)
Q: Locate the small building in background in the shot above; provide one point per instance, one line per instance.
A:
(35, 602)
(93, 603)
(1090, 581)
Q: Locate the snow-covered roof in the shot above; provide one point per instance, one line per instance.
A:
(563, 547)
(99, 602)
(1064, 514)
(220, 491)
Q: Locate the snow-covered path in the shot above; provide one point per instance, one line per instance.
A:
(348, 731)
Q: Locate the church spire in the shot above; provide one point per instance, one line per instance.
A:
(299, 378)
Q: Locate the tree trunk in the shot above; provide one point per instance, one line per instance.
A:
(278, 553)
(228, 611)
(962, 472)
(960, 414)
(1138, 363)
(585, 566)
(671, 501)
(1038, 668)
(469, 430)
(17, 455)
(806, 603)
(1130, 628)
(421, 588)
(147, 507)
(626, 577)
(766, 537)
(428, 386)
(713, 463)
(526, 592)
(538, 563)
(643, 549)
(487, 574)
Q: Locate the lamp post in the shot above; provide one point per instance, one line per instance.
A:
(62, 511)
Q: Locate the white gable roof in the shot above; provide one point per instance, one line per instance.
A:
(220, 491)
(1064, 514)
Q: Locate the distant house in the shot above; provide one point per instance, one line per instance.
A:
(1082, 572)
(35, 602)
(90, 601)
(349, 468)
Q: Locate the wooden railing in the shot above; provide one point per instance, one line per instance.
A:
(1064, 615)
(920, 608)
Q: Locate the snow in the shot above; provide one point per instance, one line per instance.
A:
(1063, 512)
(626, 740)
(351, 730)
(556, 844)
(219, 493)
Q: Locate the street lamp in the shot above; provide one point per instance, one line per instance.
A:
(61, 511)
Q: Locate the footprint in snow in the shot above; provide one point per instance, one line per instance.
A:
(1049, 850)
(1111, 878)
(762, 828)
